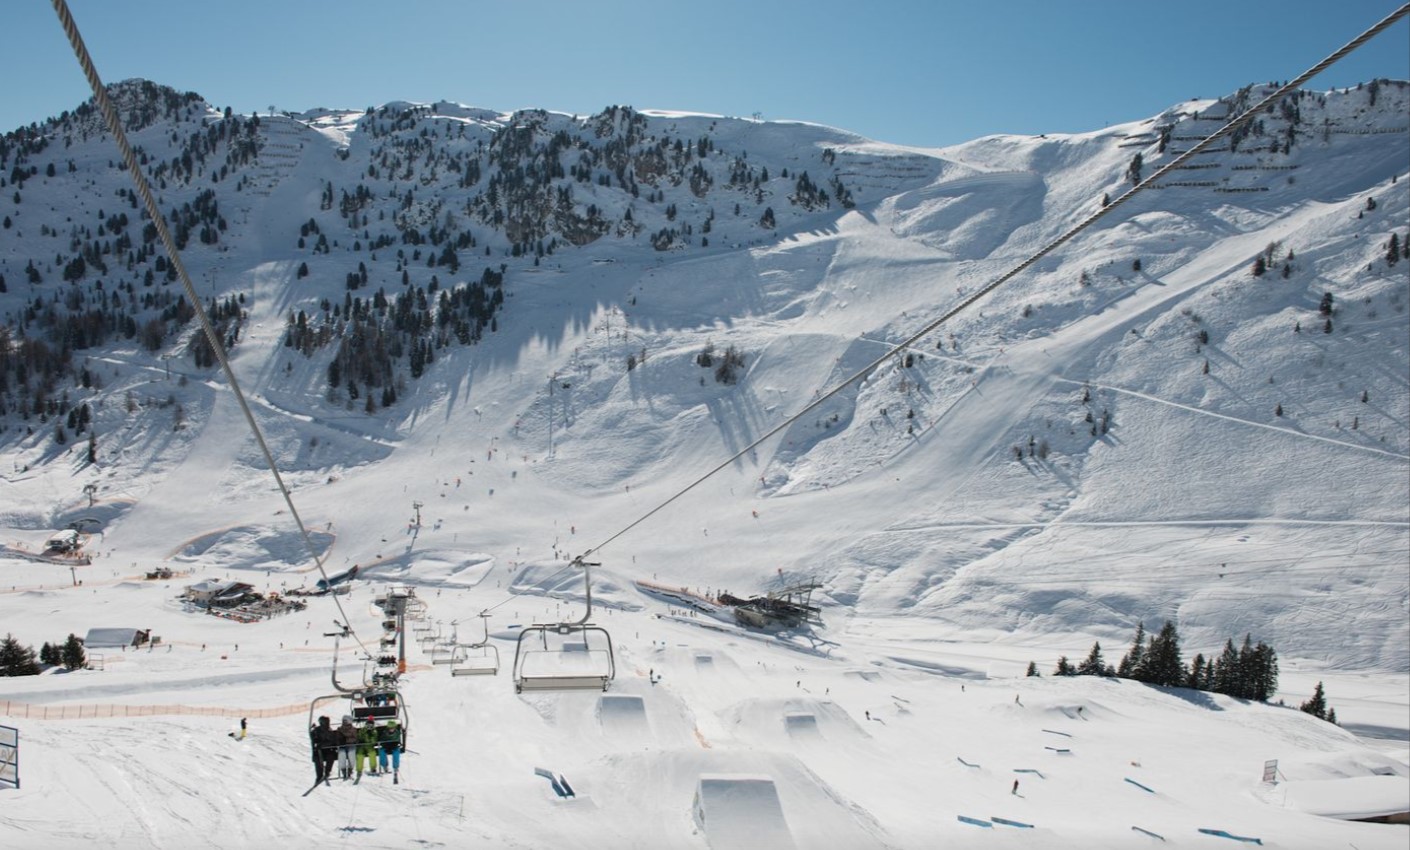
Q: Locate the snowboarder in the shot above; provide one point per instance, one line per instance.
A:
(1015, 788)
(244, 725)
(389, 737)
(347, 746)
(366, 748)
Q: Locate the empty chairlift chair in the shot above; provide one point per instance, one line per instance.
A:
(565, 656)
(476, 659)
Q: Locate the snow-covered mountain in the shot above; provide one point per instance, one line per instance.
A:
(531, 330)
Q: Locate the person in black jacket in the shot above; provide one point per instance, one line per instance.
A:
(325, 748)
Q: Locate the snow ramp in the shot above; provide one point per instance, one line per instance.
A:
(741, 812)
(623, 716)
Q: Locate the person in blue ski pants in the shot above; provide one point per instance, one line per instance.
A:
(389, 737)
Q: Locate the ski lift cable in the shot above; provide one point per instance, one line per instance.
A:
(105, 105)
(1150, 181)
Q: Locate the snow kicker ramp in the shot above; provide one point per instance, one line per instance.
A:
(623, 715)
(741, 812)
(737, 799)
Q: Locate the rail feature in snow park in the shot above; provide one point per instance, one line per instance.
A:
(1220, 833)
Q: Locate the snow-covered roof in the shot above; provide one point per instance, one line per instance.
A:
(209, 586)
(109, 637)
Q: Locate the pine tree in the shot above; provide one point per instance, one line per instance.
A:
(49, 654)
(1195, 678)
(1093, 665)
(1257, 671)
(1317, 705)
(1131, 661)
(1033, 669)
(1162, 664)
(1265, 667)
(1226, 671)
(1065, 668)
(73, 655)
(17, 659)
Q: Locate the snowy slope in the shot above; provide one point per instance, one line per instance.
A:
(950, 553)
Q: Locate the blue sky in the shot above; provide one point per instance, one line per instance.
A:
(903, 71)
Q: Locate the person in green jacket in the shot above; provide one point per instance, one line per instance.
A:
(367, 747)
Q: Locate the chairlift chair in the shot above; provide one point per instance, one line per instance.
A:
(442, 652)
(565, 656)
(378, 700)
(476, 659)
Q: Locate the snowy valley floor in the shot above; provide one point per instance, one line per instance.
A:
(742, 742)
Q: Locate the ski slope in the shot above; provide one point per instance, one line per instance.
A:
(950, 553)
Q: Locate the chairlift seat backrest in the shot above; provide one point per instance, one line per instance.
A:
(474, 671)
(376, 712)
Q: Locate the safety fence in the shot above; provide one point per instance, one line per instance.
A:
(96, 712)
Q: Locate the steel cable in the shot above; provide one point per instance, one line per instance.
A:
(105, 105)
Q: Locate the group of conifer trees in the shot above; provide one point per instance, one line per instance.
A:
(16, 659)
(1248, 672)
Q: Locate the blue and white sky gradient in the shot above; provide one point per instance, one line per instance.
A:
(904, 71)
